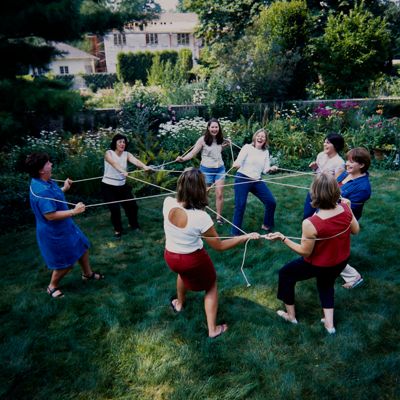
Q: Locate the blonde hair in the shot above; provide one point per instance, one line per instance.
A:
(265, 145)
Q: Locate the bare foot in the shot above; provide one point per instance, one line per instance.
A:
(219, 330)
(176, 305)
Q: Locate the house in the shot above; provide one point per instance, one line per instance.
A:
(72, 62)
(171, 31)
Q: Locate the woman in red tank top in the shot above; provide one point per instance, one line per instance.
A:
(324, 249)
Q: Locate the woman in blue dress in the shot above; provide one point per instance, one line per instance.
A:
(60, 241)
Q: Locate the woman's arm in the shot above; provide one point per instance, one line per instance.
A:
(241, 158)
(133, 160)
(226, 143)
(197, 147)
(213, 240)
(59, 215)
(306, 247)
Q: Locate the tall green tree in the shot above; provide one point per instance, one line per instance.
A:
(271, 62)
(353, 50)
(28, 29)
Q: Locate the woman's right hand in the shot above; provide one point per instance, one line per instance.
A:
(252, 236)
(313, 165)
(79, 208)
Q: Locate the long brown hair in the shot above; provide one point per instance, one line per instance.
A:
(208, 138)
(325, 192)
(192, 189)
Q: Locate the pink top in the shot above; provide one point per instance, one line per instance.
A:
(330, 252)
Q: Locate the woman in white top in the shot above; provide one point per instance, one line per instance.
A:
(211, 145)
(114, 186)
(328, 161)
(185, 222)
(252, 161)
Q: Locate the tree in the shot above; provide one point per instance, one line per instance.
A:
(353, 50)
(270, 62)
(224, 20)
(27, 30)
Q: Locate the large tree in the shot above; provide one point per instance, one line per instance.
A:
(353, 50)
(28, 29)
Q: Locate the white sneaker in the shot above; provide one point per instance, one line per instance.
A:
(331, 331)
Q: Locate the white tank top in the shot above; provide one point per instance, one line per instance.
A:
(185, 240)
(111, 175)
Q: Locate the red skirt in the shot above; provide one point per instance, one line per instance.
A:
(196, 269)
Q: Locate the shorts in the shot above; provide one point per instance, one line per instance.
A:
(195, 269)
(213, 174)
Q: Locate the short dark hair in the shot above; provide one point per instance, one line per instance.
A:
(208, 138)
(360, 155)
(35, 162)
(325, 192)
(192, 189)
(118, 136)
(337, 140)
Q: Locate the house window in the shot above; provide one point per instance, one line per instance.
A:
(119, 39)
(151, 38)
(183, 39)
(64, 70)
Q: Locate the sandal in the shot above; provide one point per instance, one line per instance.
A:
(53, 292)
(285, 316)
(94, 276)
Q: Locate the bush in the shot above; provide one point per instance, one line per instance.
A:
(100, 81)
(132, 67)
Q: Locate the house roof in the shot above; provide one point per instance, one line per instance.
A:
(72, 53)
(167, 22)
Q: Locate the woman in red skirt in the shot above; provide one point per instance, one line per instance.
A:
(185, 222)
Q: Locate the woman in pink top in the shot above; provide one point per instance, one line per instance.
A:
(324, 247)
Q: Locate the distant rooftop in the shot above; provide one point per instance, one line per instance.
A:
(72, 52)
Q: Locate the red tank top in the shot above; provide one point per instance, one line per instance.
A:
(330, 252)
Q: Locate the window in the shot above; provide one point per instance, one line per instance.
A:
(119, 39)
(64, 70)
(151, 38)
(183, 39)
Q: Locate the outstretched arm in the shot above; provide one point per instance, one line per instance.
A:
(306, 246)
(133, 160)
(59, 215)
(196, 149)
(213, 240)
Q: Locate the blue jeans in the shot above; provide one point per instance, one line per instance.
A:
(308, 209)
(260, 190)
(213, 174)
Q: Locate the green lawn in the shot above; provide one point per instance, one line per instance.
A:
(118, 339)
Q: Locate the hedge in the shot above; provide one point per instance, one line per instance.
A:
(132, 67)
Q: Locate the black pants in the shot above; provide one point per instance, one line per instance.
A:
(300, 270)
(114, 193)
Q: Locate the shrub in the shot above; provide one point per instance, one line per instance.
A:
(100, 81)
(132, 67)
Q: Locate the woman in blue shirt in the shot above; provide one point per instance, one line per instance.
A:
(60, 241)
(355, 186)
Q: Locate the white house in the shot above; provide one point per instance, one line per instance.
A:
(172, 31)
(73, 62)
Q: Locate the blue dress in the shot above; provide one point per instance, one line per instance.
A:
(61, 242)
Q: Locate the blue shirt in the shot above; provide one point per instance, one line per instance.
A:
(61, 242)
(358, 191)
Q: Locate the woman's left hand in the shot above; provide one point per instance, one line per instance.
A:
(274, 236)
(67, 185)
(274, 168)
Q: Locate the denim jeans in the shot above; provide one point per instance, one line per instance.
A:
(261, 191)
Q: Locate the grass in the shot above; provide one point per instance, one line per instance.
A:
(118, 339)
